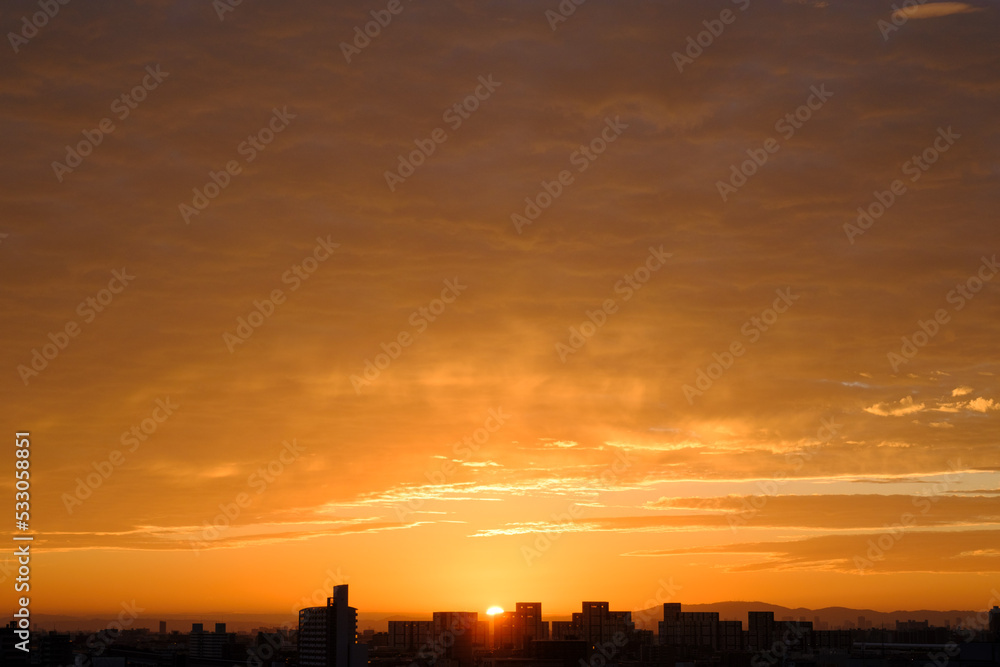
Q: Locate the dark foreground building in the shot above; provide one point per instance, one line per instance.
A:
(328, 635)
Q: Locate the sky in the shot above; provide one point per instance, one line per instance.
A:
(502, 301)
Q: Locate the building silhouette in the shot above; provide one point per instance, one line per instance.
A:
(700, 630)
(328, 635)
(216, 645)
(556, 652)
(410, 635)
(564, 630)
(455, 633)
(516, 629)
(597, 625)
(688, 628)
(9, 653)
(760, 633)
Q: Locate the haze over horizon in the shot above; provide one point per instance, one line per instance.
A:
(644, 618)
(653, 299)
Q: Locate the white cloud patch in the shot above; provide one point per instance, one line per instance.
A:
(975, 405)
(982, 404)
(905, 406)
(934, 10)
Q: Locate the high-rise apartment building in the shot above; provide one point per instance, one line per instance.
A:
(760, 636)
(328, 635)
(410, 635)
(688, 628)
(517, 628)
(454, 633)
(218, 645)
(564, 630)
(598, 625)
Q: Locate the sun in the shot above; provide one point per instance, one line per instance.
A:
(493, 611)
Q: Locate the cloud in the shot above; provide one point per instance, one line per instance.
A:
(204, 537)
(934, 10)
(911, 550)
(961, 391)
(324, 176)
(852, 513)
(979, 404)
(905, 406)
(982, 404)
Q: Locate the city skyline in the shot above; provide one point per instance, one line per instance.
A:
(528, 617)
(645, 616)
(466, 303)
(328, 636)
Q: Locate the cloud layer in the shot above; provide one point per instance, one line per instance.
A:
(653, 347)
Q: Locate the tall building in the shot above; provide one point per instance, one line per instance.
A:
(9, 653)
(995, 623)
(598, 625)
(456, 632)
(515, 629)
(564, 630)
(53, 648)
(410, 635)
(218, 645)
(760, 635)
(730, 636)
(503, 630)
(481, 634)
(796, 635)
(328, 635)
(528, 622)
(690, 628)
(457, 623)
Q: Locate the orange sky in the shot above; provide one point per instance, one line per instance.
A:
(655, 369)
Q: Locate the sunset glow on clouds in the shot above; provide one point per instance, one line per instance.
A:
(738, 387)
